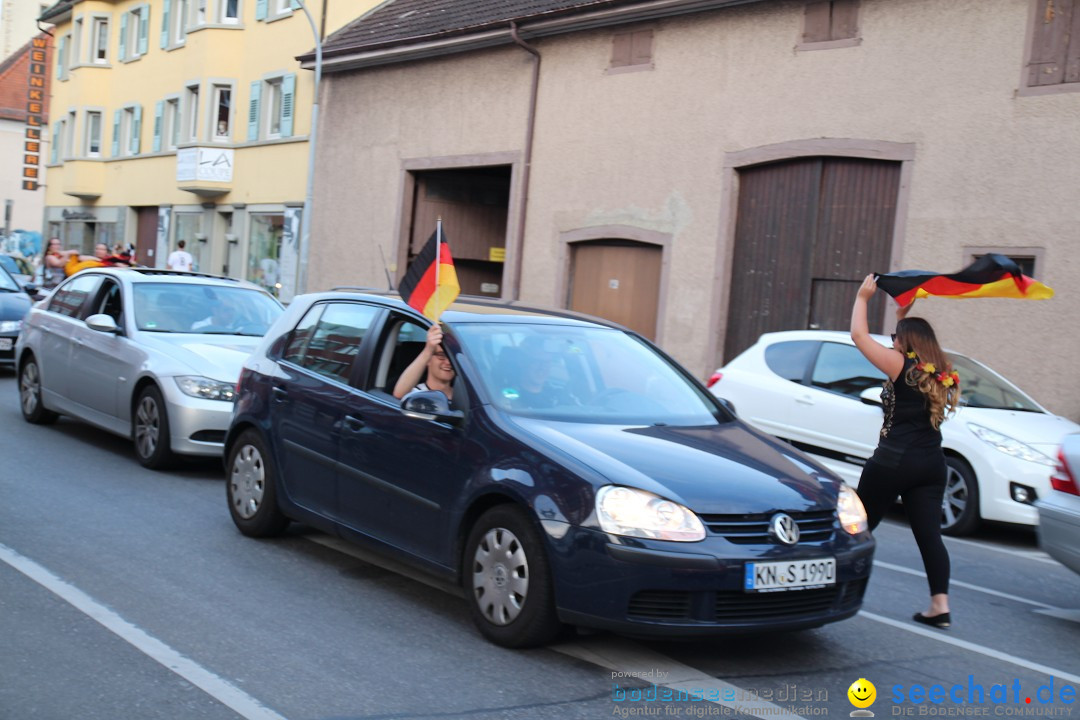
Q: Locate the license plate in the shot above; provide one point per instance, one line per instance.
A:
(789, 575)
(6, 343)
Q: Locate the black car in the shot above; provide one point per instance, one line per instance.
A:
(14, 304)
(578, 476)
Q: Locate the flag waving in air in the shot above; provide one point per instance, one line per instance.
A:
(431, 283)
(991, 275)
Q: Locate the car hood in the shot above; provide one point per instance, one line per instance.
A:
(13, 306)
(1042, 430)
(219, 357)
(723, 469)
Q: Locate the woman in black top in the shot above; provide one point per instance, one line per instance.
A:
(909, 462)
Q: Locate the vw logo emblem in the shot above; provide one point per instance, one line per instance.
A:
(784, 528)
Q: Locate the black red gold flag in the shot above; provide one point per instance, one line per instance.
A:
(991, 275)
(431, 283)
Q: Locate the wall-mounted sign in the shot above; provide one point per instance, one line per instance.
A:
(497, 254)
(35, 112)
(204, 164)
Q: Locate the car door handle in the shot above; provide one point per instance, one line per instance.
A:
(804, 400)
(353, 423)
(280, 394)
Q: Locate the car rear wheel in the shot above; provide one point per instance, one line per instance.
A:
(507, 580)
(150, 428)
(960, 506)
(30, 394)
(252, 488)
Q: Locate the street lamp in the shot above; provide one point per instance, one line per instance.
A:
(305, 220)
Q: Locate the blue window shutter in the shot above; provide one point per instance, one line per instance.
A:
(123, 36)
(288, 98)
(60, 58)
(165, 13)
(294, 4)
(116, 134)
(159, 110)
(54, 151)
(260, 9)
(136, 130)
(144, 29)
(253, 111)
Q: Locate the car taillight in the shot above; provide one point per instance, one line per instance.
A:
(1063, 479)
(713, 379)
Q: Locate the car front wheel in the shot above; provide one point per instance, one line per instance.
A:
(507, 580)
(251, 488)
(30, 394)
(960, 506)
(150, 428)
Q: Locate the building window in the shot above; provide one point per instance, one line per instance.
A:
(827, 21)
(93, 134)
(200, 12)
(264, 249)
(134, 33)
(100, 47)
(171, 131)
(76, 41)
(230, 11)
(192, 109)
(632, 50)
(63, 57)
(130, 130)
(57, 141)
(69, 137)
(222, 113)
(1055, 45)
(273, 108)
(180, 21)
(1028, 259)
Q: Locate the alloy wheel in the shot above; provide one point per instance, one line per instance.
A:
(147, 426)
(956, 498)
(500, 576)
(29, 388)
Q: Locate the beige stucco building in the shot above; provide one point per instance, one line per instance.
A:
(706, 171)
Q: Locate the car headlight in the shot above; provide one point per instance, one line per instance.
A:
(850, 510)
(1010, 446)
(636, 513)
(10, 325)
(206, 388)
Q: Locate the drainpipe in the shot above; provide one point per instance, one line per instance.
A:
(527, 169)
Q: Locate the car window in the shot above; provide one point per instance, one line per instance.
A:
(109, 302)
(790, 359)
(405, 339)
(205, 309)
(301, 334)
(7, 283)
(70, 297)
(983, 388)
(843, 369)
(336, 339)
(10, 265)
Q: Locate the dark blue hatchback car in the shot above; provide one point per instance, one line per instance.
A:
(578, 476)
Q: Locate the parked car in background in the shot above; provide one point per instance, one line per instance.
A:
(152, 355)
(18, 267)
(1059, 510)
(578, 476)
(814, 389)
(14, 304)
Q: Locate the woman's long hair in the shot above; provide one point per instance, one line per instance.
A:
(916, 335)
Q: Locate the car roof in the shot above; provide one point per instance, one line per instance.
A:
(148, 274)
(827, 336)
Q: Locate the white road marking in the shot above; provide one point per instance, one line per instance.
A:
(969, 586)
(216, 687)
(942, 637)
(639, 664)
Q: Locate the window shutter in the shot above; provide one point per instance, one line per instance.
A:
(123, 36)
(144, 29)
(61, 57)
(136, 130)
(166, 11)
(621, 49)
(845, 15)
(641, 47)
(54, 151)
(288, 96)
(294, 4)
(253, 111)
(816, 21)
(159, 110)
(260, 9)
(116, 134)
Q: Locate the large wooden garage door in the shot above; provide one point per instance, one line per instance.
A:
(808, 231)
(618, 280)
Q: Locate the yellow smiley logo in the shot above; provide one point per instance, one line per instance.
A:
(862, 693)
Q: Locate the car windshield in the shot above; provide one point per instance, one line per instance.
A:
(7, 283)
(13, 266)
(204, 309)
(582, 374)
(981, 387)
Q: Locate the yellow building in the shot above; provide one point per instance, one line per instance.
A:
(185, 120)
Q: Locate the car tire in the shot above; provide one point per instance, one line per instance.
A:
(33, 410)
(960, 505)
(251, 487)
(507, 580)
(150, 430)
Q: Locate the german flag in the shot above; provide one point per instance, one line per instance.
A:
(991, 275)
(429, 285)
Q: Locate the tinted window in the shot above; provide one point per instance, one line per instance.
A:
(336, 339)
(294, 351)
(789, 360)
(843, 369)
(69, 298)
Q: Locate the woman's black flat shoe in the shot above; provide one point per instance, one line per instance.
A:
(938, 621)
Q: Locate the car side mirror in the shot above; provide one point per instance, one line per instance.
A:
(102, 323)
(728, 405)
(430, 405)
(871, 396)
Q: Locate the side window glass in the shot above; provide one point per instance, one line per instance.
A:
(789, 360)
(69, 299)
(843, 369)
(294, 351)
(110, 303)
(336, 339)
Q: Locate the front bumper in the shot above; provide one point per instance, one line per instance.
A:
(196, 426)
(995, 501)
(696, 589)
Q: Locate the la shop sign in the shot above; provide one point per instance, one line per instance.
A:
(204, 164)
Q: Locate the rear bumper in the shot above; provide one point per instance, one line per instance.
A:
(1059, 529)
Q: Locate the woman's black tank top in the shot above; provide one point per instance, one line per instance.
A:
(907, 413)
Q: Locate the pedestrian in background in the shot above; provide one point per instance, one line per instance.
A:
(180, 259)
(909, 462)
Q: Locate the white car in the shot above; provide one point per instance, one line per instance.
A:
(814, 389)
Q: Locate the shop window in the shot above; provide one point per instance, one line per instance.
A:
(264, 250)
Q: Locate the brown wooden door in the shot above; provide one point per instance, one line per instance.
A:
(146, 227)
(617, 280)
(808, 231)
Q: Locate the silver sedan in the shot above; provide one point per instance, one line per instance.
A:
(1059, 511)
(152, 355)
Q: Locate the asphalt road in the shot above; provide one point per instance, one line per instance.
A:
(127, 593)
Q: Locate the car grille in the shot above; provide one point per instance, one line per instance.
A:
(816, 526)
(733, 606)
